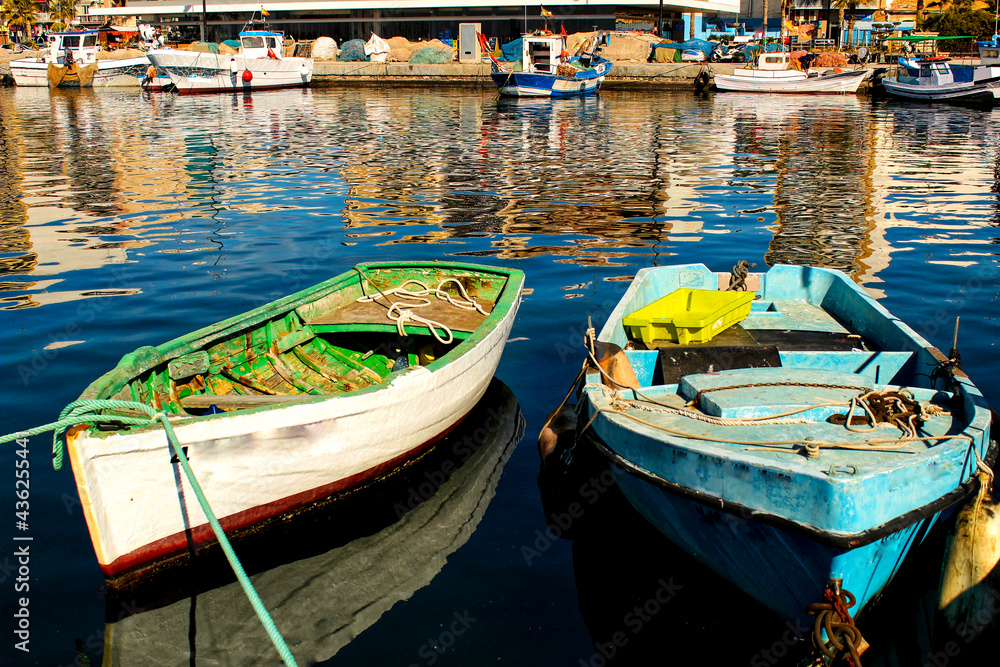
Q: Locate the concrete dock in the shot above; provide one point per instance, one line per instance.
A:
(624, 75)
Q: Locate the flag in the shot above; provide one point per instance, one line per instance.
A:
(790, 27)
(264, 12)
(562, 29)
(546, 13)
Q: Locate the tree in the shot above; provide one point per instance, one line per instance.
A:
(20, 15)
(64, 11)
(764, 33)
(847, 7)
(960, 19)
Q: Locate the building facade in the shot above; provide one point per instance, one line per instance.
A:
(414, 19)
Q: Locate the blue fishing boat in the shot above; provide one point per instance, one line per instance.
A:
(783, 428)
(547, 70)
(936, 79)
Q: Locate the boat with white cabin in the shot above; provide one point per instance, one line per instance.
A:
(259, 65)
(935, 79)
(547, 70)
(70, 61)
(775, 74)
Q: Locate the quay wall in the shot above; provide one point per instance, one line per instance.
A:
(624, 75)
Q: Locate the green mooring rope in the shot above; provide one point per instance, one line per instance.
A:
(85, 411)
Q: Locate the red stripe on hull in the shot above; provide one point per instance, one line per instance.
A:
(248, 89)
(202, 534)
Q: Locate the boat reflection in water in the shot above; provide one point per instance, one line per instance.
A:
(644, 600)
(331, 571)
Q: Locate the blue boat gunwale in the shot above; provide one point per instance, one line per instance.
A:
(836, 540)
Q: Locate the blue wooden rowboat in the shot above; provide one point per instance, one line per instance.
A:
(790, 509)
(547, 71)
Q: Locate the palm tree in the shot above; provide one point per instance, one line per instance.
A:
(846, 6)
(20, 15)
(764, 33)
(64, 11)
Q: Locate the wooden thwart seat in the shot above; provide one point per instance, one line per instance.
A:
(375, 312)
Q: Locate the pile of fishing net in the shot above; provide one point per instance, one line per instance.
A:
(794, 56)
(201, 47)
(430, 55)
(403, 50)
(830, 60)
(324, 48)
(353, 51)
(634, 47)
(120, 54)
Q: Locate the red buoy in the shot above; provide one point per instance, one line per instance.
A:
(247, 75)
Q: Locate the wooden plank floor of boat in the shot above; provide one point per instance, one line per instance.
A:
(375, 312)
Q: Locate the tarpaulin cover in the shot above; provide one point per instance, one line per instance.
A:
(702, 45)
(511, 51)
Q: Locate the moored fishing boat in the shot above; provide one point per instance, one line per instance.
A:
(547, 70)
(935, 79)
(774, 74)
(801, 452)
(70, 61)
(307, 396)
(259, 65)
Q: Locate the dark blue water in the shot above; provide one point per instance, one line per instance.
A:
(128, 219)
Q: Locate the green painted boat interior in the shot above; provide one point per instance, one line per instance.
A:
(319, 342)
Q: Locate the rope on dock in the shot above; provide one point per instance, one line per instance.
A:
(86, 411)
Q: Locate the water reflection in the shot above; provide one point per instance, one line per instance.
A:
(820, 179)
(334, 570)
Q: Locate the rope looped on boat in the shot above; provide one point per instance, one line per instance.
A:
(401, 312)
(842, 636)
(88, 411)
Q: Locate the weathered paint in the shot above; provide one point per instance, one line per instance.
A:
(776, 523)
(257, 461)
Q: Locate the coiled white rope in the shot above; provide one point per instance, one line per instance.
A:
(401, 312)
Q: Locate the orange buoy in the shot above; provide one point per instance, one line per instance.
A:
(247, 75)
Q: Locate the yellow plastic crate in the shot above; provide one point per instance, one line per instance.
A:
(688, 316)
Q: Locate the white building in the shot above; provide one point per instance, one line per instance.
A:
(417, 19)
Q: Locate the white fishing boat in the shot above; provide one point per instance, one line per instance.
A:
(287, 404)
(70, 61)
(259, 65)
(774, 74)
(935, 79)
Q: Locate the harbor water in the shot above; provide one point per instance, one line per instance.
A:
(129, 219)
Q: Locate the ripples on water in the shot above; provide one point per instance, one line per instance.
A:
(128, 219)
